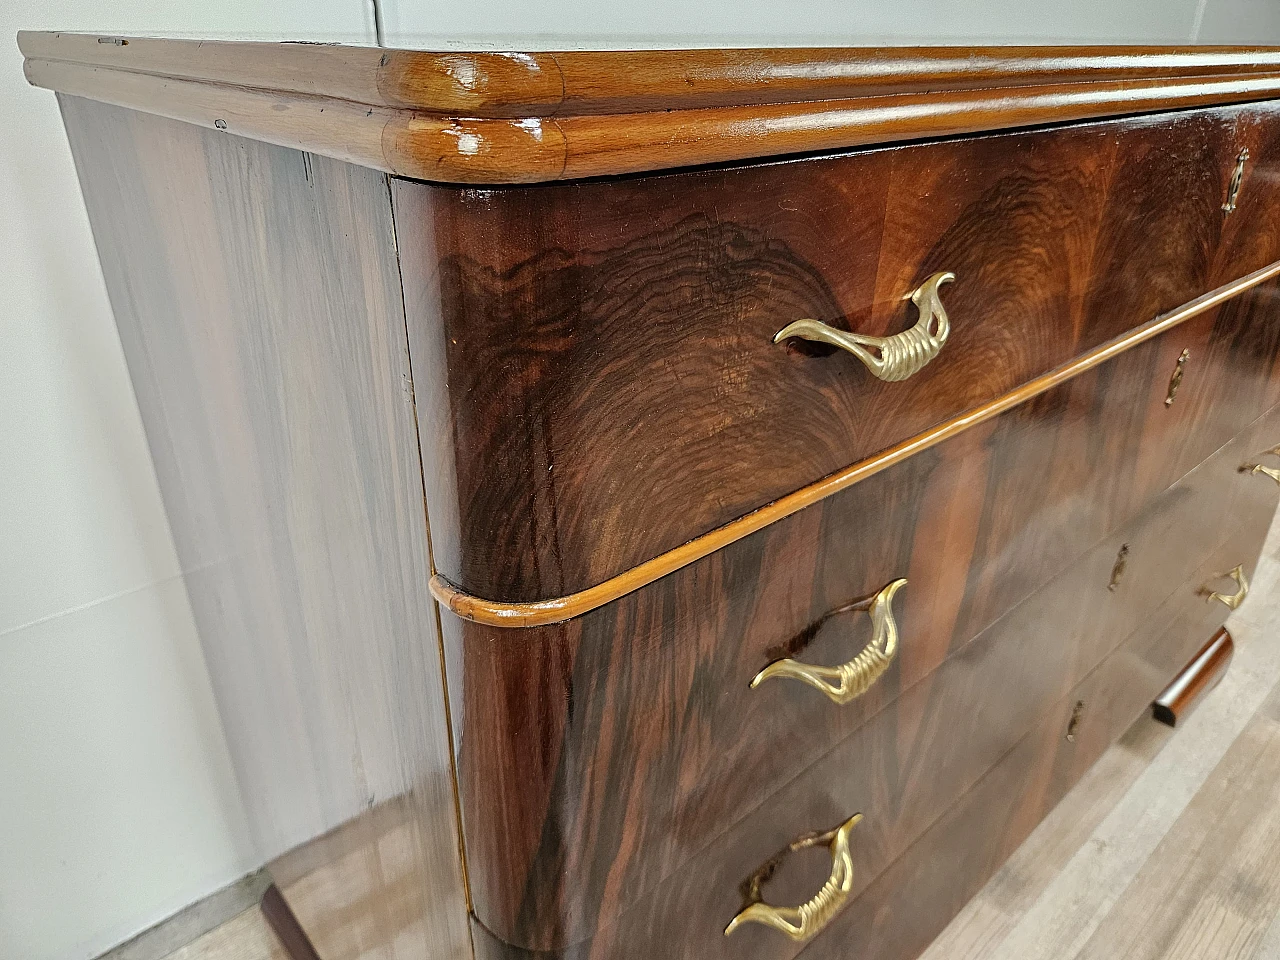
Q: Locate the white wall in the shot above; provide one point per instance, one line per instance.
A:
(117, 801)
(570, 24)
(118, 805)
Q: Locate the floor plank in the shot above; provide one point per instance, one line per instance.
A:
(244, 937)
(1208, 889)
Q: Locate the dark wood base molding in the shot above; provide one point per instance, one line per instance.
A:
(1197, 678)
(280, 918)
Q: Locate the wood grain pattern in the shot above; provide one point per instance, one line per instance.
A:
(576, 799)
(902, 903)
(474, 84)
(537, 613)
(258, 300)
(608, 345)
(1201, 674)
(525, 117)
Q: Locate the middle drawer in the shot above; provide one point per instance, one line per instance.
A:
(599, 754)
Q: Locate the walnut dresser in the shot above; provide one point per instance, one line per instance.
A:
(685, 504)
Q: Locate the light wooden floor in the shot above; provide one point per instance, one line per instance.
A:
(1168, 849)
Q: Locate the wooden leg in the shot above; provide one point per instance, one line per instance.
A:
(1196, 679)
(285, 926)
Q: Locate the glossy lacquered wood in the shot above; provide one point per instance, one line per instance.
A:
(519, 117)
(517, 84)
(917, 765)
(608, 347)
(536, 613)
(594, 751)
(1201, 674)
(258, 302)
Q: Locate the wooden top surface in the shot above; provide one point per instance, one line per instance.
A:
(499, 117)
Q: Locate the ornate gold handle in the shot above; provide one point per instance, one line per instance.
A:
(1266, 471)
(849, 680)
(802, 922)
(1235, 599)
(896, 357)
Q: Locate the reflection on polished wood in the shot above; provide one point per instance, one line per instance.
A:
(1108, 866)
(1023, 766)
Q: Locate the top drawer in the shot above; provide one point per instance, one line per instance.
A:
(613, 384)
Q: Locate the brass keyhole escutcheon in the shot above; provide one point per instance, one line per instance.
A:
(1073, 725)
(1175, 381)
(1117, 571)
(1237, 177)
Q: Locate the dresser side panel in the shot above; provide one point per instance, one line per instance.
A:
(258, 299)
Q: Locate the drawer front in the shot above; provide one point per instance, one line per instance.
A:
(598, 755)
(948, 779)
(613, 385)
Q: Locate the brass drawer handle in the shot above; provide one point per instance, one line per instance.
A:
(849, 680)
(1232, 600)
(1266, 471)
(896, 357)
(802, 922)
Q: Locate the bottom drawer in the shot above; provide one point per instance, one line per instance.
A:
(911, 762)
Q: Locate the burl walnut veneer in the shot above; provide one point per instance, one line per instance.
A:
(733, 550)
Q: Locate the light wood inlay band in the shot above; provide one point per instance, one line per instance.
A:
(556, 609)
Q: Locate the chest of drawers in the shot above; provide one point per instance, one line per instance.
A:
(703, 504)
